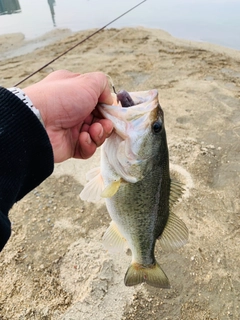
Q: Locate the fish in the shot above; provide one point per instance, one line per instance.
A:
(134, 179)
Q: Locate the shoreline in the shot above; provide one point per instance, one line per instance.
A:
(15, 44)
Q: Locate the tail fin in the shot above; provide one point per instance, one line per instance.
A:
(152, 275)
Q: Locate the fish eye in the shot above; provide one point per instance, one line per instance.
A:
(157, 126)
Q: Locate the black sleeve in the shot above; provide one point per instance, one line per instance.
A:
(26, 156)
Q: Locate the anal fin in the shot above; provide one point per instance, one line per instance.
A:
(113, 240)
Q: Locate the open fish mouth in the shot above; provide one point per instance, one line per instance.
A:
(132, 118)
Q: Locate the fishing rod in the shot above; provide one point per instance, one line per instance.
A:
(73, 47)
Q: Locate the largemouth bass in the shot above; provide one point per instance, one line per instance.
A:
(135, 181)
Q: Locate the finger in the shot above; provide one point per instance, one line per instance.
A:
(99, 83)
(105, 123)
(89, 119)
(85, 147)
(99, 131)
(105, 94)
(107, 126)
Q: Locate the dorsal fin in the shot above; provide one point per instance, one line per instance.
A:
(176, 191)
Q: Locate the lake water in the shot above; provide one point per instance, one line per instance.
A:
(215, 21)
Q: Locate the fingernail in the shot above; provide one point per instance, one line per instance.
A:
(89, 140)
(109, 131)
(101, 134)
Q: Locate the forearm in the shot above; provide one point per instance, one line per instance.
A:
(26, 155)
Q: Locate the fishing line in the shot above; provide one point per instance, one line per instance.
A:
(73, 47)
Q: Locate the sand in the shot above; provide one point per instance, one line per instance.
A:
(55, 267)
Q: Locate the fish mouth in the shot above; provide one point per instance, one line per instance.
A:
(136, 117)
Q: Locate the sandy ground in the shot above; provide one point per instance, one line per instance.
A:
(54, 266)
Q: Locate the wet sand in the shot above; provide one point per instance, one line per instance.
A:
(54, 266)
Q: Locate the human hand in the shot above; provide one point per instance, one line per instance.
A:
(68, 105)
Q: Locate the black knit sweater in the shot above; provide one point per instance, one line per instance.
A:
(26, 156)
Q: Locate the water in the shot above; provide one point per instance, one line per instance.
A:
(215, 21)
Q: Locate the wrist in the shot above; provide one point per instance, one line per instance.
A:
(22, 96)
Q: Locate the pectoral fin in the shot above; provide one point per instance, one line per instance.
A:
(93, 189)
